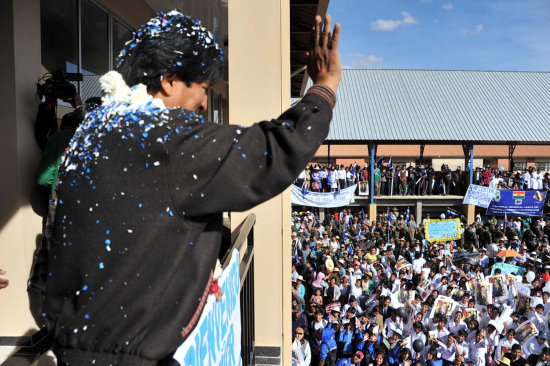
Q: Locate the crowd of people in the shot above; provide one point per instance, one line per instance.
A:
(421, 180)
(374, 291)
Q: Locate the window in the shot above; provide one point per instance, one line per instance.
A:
(81, 36)
(543, 165)
(121, 34)
(59, 34)
(520, 165)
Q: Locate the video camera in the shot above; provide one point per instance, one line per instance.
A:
(57, 84)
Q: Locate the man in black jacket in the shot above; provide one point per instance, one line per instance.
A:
(143, 186)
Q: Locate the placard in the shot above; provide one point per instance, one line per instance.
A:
(216, 339)
(443, 230)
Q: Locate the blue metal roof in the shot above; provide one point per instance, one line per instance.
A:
(416, 106)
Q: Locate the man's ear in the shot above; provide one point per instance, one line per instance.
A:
(166, 84)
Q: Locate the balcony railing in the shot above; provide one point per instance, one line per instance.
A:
(242, 239)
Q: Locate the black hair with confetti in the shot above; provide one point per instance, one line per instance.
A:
(170, 43)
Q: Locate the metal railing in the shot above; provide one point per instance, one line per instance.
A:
(242, 239)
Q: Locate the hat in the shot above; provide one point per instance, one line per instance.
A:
(504, 361)
(362, 237)
(542, 334)
(299, 278)
(359, 354)
(401, 239)
(341, 261)
(329, 264)
(336, 309)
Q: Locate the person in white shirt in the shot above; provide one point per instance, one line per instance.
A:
(449, 350)
(457, 324)
(391, 324)
(535, 345)
(506, 343)
(478, 349)
(526, 180)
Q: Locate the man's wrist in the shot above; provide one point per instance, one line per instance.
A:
(325, 92)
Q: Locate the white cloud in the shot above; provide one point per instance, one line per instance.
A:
(360, 60)
(478, 28)
(408, 19)
(390, 25)
(448, 6)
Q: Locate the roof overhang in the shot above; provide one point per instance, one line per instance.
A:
(302, 19)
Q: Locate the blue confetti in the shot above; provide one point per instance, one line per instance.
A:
(101, 265)
(107, 242)
(191, 243)
(86, 316)
(43, 315)
(244, 156)
(108, 232)
(85, 288)
(171, 213)
(140, 205)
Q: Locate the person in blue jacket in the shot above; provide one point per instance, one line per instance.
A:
(345, 339)
(328, 347)
(395, 348)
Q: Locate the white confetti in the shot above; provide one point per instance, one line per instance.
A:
(156, 163)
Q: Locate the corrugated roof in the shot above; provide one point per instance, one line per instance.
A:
(407, 106)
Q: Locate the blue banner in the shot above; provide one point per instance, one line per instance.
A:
(506, 268)
(517, 203)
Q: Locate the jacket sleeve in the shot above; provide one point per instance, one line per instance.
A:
(217, 168)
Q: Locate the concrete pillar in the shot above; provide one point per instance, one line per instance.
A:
(372, 211)
(418, 211)
(469, 213)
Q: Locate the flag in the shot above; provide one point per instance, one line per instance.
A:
(304, 189)
(380, 161)
(336, 217)
(518, 195)
(344, 234)
(350, 221)
(296, 254)
(407, 215)
(354, 168)
(390, 163)
(391, 218)
(453, 214)
(505, 220)
(363, 214)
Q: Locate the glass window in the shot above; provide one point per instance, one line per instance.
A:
(543, 165)
(520, 165)
(95, 39)
(59, 34)
(121, 34)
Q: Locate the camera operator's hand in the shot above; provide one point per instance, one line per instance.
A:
(323, 65)
(75, 101)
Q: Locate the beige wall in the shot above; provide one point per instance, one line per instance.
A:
(19, 226)
(259, 88)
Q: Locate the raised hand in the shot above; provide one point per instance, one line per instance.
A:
(323, 65)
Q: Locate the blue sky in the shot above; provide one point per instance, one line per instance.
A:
(511, 35)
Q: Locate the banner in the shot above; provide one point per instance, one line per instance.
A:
(216, 339)
(479, 195)
(443, 305)
(506, 268)
(460, 256)
(315, 199)
(442, 230)
(517, 203)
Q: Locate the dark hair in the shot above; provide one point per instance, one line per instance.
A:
(170, 43)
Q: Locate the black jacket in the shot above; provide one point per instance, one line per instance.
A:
(139, 221)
